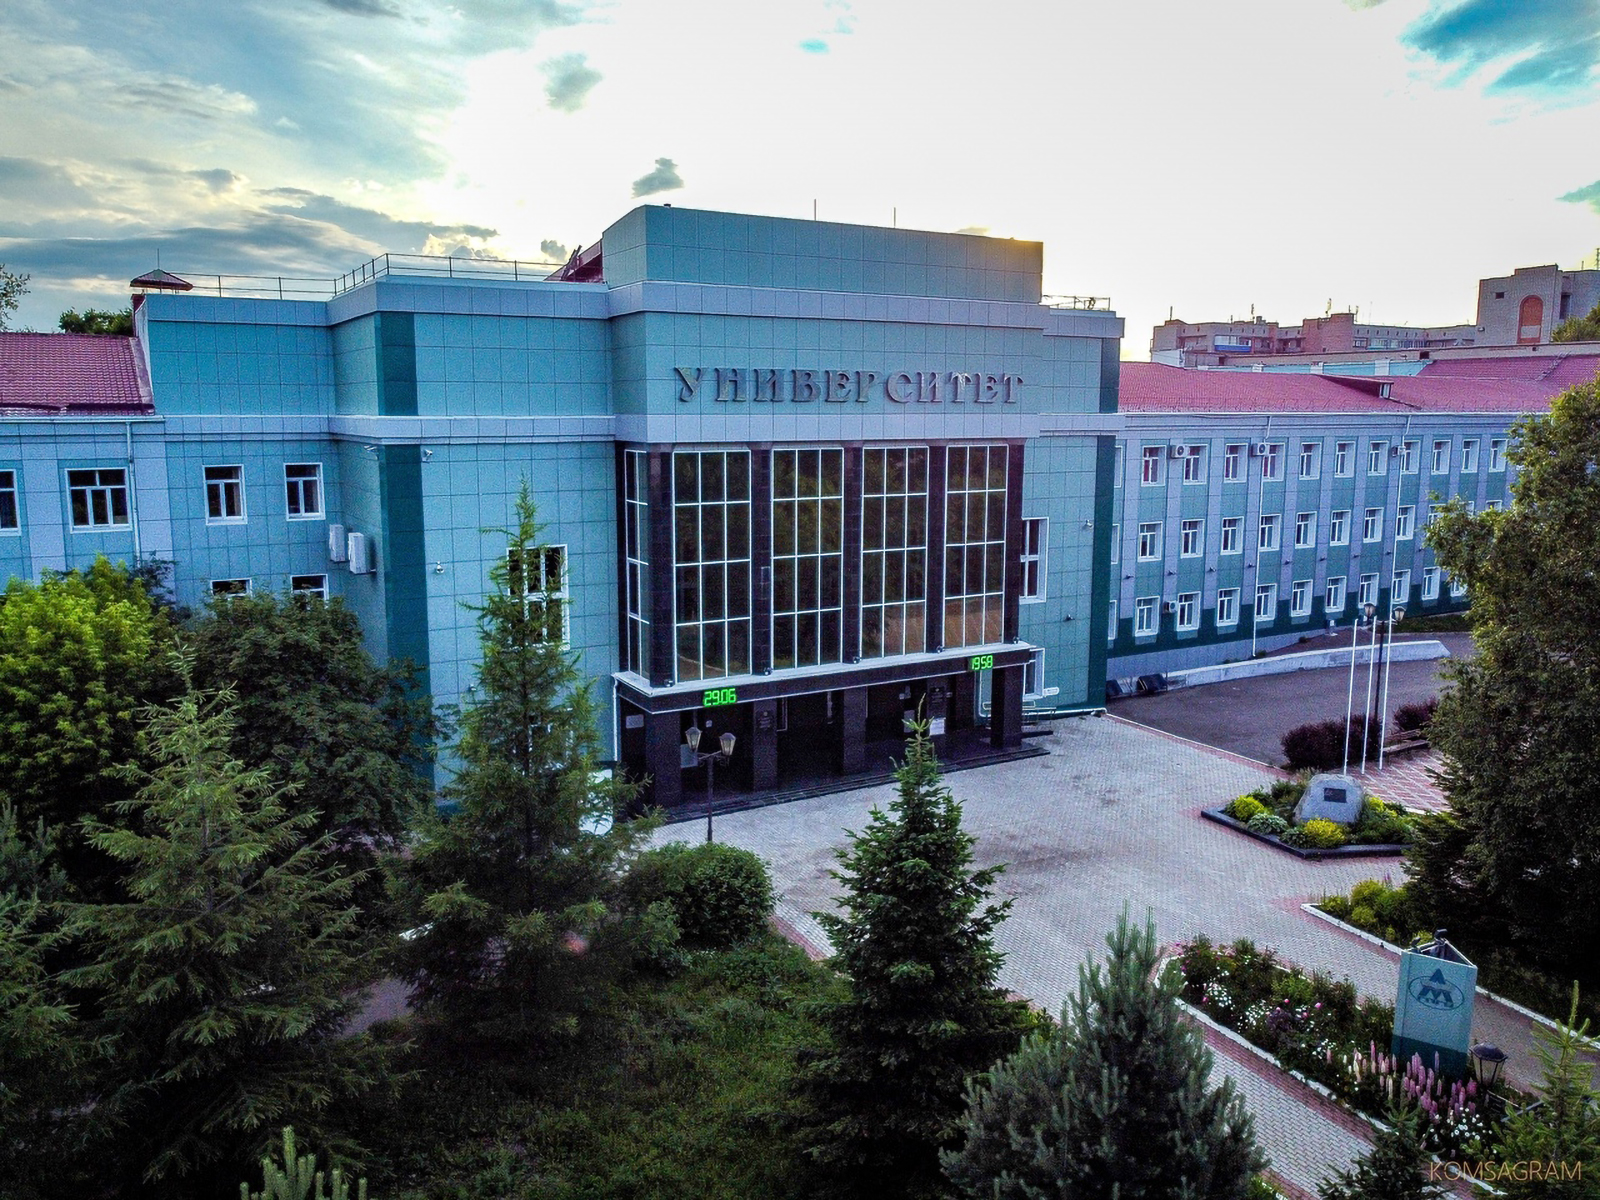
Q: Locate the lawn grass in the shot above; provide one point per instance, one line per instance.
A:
(682, 1091)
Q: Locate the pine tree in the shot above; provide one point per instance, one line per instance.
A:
(515, 890)
(225, 978)
(922, 1010)
(1563, 1130)
(1116, 1104)
(1394, 1169)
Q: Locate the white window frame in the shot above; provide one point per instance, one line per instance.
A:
(1344, 459)
(1194, 464)
(1430, 583)
(1305, 530)
(1035, 551)
(1152, 469)
(299, 585)
(1310, 460)
(1188, 611)
(1150, 550)
(106, 491)
(1339, 527)
(1469, 456)
(1405, 522)
(1300, 598)
(1333, 599)
(1227, 607)
(295, 493)
(1372, 525)
(1369, 589)
(223, 492)
(1145, 616)
(1497, 454)
(1232, 535)
(10, 505)
(1410, 456)
(1269, 532)
(1232, 462)
(1441, 456)
(1378, 456)
(1269, 593)
(1272, 463)
(1191, 537)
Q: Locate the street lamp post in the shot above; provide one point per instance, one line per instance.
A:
(711, 758)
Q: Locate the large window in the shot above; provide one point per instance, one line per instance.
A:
(1232, 535)
(636, 558)
(302, 483)
(1228, 606)
(99, 498)
(1192, 538)
(975, 544)
(807, 557)
(224, 495)
(1035, 538)
(541, 580)
(1149, 540)
(1144, 616)
(8, 502)
(711, 562)
(894, 551)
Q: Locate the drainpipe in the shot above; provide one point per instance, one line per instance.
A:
(1261, 503)
(133, 492)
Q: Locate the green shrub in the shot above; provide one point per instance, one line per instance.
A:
(720, 895)
(1266, 822)
(1244, 808)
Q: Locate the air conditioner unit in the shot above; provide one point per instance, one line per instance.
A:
(360, 555)
(1177, 450)
(336, 544)
(1171, 606)
(1258, 449)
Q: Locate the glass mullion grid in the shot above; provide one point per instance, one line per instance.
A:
(711, 562)
(975, 545)
(894, 550)
(636, 558)
(807, 557)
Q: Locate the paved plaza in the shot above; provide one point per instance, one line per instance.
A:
(1110, 818)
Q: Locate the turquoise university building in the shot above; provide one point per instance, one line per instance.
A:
(798, 479)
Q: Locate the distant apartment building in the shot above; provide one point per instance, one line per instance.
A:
(1521, 309)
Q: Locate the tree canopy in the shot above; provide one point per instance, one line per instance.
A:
(1517, 858)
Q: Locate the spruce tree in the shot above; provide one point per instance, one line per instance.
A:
(921, 1011)
(1396, 1168)
(514, 892)
(1116, 1104)
(226, 977)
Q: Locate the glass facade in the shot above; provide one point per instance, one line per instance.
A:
(711, 562)
(975, 544)
(894, 551)
(636, 559)
(807, 557)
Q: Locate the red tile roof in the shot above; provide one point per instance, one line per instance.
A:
(69, 373)
(1457, 385)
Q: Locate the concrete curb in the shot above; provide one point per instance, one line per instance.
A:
(1522, 1011)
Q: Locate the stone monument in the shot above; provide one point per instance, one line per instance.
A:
(1335, 798)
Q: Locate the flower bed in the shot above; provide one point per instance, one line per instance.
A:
(1268, 815)
(1318, 1026)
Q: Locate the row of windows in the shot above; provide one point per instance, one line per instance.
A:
(1186, 608)
(1191, 531)
(98, 496)
(1191, 459)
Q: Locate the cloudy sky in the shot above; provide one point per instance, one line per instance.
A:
(1203, 156)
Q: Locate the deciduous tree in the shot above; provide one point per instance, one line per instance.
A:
(922, 1011)
(1115, 1104)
